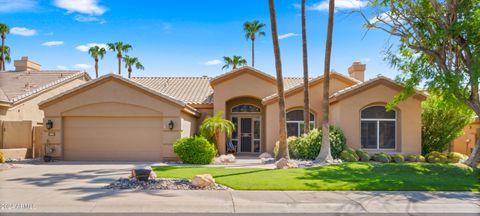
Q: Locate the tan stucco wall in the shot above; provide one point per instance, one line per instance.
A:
(295, 101)
(115, 98)
(346, 114)
(244, 85)
(28, 110)
(464, 144)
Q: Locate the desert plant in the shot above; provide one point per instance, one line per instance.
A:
(307, 146)
(213, 127)
(195, 150)
(436, 157)
(362, 155)
(349, 155)
(455, 157)
(398, 158)
(416, 158)
(382, 157)
(2, 158)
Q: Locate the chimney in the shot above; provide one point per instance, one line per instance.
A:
(357, 71)
(24, 64)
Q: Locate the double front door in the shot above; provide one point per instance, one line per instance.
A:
(247, 136)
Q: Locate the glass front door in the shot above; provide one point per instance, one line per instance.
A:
(247, 135)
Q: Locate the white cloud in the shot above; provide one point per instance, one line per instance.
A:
(384, 17)
(85, 47)
(339, 5)
(287, 35)
(213, 62)
(52, 43)
(22, 31)
(365, 60)
(17, 5)
(89, 7)
(81, 18)
(82, 66)
(61, 67)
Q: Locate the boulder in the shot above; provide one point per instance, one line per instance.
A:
(203, 180)
(265, 155)
(229, 158)
(143, 173)
(285, 164)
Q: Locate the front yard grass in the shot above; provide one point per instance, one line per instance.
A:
(345, 176)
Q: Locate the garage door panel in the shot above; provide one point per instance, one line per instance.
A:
(94, 138)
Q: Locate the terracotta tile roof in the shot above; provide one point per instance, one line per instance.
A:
(15, 86)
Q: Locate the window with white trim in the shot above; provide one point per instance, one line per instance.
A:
(378, 128)
(245, 108)
(295, 123)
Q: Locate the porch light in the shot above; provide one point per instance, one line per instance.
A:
(171, 125)
(49, 124)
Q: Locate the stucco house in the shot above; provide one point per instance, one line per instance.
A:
(115, 118)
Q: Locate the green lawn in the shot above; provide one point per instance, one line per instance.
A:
(345, 176)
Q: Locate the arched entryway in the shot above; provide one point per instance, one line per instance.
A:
(247, 114)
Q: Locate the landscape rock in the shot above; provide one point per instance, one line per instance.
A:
(222, 159)
(159, 184)
(285, 164)
(265, 155)
(203, 180)
(267, 160)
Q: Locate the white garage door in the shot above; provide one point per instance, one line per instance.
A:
(100, 138)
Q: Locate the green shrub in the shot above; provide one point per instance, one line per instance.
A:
(416, 158)
(349, 155)
(2, 158)
(289, 140)
(398, 158)
(382, 157)
(455, 157)
(307, 146)
(195, 150)
(436, 157)
(363, 155)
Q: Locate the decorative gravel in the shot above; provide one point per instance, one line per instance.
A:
(309, 163)
(159, 184)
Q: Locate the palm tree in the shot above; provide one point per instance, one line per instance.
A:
(234, 62)
(97, 52)
(306, 99)
(132, 61)
(251, 29)
(4, 29)
(325, 154)
(283, 145)
(119, 47)
(214, 127)
(7, 56)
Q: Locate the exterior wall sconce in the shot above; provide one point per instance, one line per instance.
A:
(49, 124)
(171, 125)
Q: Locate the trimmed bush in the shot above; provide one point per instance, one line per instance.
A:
(195, 150)
(2, 158)
(398, 158)
(349, 155)
(307, 146)
(416, 158)
(363, 155)
(382, 157)
(436, 157)
(455, 157)
(289, 140)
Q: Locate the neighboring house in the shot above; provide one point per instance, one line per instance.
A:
(114, 118)
(466, 142)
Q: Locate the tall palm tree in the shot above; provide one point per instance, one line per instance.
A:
(283, 145)
(214, 127)
(4, 29)
(120, 48)
(325, 154)
(251, 29)
(97, 52)
(236, 61)
(132, 62)
(7, 56)
(306, 99)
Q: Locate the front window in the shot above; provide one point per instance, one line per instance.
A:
(245, 108)
(378, 128)
(295, 123)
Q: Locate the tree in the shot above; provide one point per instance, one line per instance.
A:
(120, 48)
(325, 154)
(438, 46)
(96, 52)
(282, 134)
(7, 56)
(442, 122)
(4, 29)
(234, 62)
(132, 61)
(306, 99)
(251, 29)
(214, 127)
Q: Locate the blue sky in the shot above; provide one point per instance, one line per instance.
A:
(186, 38)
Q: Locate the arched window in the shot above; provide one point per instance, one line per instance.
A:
(378, 128)
(295, 122)
(245, 108)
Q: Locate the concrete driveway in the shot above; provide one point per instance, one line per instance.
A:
(77, 187)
